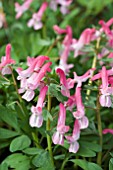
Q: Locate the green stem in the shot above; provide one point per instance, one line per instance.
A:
(48, 129)
(90, 81)
(93, 66)
(16, 88)
(36, 140)
(99, 156)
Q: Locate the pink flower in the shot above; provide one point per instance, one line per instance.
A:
(74, 145)
(105, 99)
(34, 65)
(66, 44)
(58, 136)
(71, 102)
(80, 79)
(65, 84)
(105, 131)
(85, 38)
(36, 119)
(6, 60)
(36, 77)
(20, 9)
(63, 5)
(83, 122)
(36, 22)
(80, 107)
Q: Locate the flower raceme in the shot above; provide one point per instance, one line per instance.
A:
(20, 9)
(35, 21)
(31, 78)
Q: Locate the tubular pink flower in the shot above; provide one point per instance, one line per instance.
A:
(58, 136)
(105, 131)
(5, 61)
(80, 107)
(34, 80)
(36, 119)
(74, 145)
(35, 65)
(20, 9)
(35, 21)
(84, 78)
(105, 99)
(65, 84)
(59, 30)
(66, 48)
(85, 38)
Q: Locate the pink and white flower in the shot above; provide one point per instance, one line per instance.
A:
(36, 119)
(58, 136)
(74, 145)
(36, 20)
(6, 61)
(20, 9)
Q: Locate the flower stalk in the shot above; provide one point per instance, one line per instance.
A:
(48, 129)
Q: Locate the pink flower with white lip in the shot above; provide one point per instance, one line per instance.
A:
(28, 85)
(80, 79)
(34, 65)
(64, 5)
(74, 145)
(85, 38)
(83, 122)
(65, 84)
(80, 107)
(105, 131)
(6, 60)
(105, 99)
(20, 9)
(36, 22)
(58, 136)
(36, 119)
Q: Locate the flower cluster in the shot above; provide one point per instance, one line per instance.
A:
(81, 121)
(36, 20)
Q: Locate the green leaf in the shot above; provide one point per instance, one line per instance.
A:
(86, 165)
(33, 151)
(55, 92)
(93, 146)
(43, 161)
(3, 166)
(82, 163)
(111, 164)
(18, 161)
(85, 152)
(9, 116)
(68, 17)
(93, 166)
(20, 143)
(5, 133)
